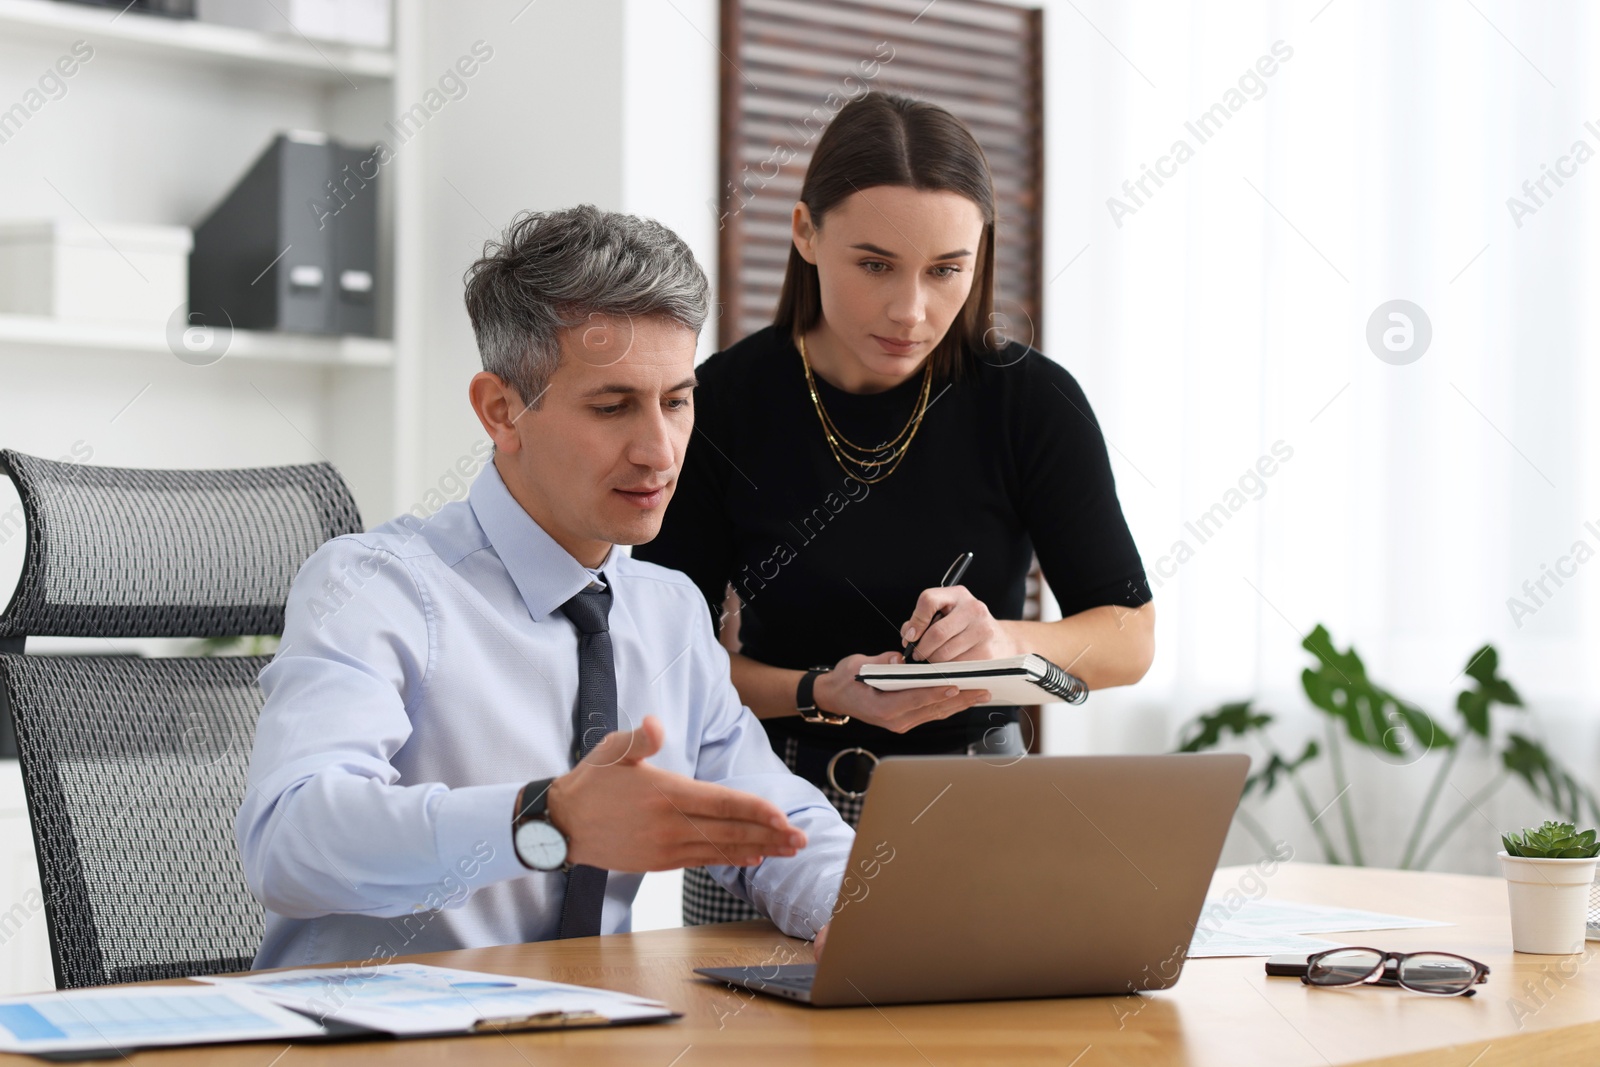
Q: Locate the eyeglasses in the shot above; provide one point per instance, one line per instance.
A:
(1442, 974)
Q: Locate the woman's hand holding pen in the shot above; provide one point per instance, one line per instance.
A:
(839, 692)
(949, 623)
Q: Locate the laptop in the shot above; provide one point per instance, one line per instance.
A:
(988, 878)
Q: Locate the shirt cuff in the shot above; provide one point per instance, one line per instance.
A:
(472, 834)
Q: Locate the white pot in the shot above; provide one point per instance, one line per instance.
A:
(1549, 903)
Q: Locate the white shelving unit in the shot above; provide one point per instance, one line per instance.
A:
(196, 43)
(24, 941)
(24, 334)
(155, 128)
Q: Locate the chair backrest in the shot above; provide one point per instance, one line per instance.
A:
(133, 770)
(114, 552)
(134, 767)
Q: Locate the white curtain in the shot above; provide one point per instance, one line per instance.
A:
(1222, 322)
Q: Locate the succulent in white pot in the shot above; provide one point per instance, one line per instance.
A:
(1548, 874)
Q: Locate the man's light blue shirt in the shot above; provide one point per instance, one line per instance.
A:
(426, 674)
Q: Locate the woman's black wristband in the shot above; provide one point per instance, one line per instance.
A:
(805, 700)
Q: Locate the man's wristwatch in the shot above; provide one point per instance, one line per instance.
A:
(538, 843)
(807, 703)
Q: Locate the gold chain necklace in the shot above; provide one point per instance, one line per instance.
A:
(869, 461)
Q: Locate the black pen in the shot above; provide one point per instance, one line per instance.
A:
(951, 577)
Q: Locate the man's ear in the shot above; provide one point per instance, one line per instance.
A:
(498, 406)
(805, 233)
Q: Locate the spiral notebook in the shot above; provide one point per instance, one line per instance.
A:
(1029, 679)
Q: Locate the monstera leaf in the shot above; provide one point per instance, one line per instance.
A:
(1491, 689)
(1372, 716)
(1548, 780)
(1267, 777)
(1206, 731)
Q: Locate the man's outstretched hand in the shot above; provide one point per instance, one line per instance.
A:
(619, 813)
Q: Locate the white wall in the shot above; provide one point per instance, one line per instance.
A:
(611, 103)
(538, 129)
(1229, 312)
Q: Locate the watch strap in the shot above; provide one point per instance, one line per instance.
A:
(533, 806)
(805, 700)
(532, 802)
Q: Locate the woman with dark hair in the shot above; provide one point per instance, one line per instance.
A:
(877, 430)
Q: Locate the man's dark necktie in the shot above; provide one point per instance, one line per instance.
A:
(594, 717)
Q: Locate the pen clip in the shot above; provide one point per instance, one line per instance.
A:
(955, 571)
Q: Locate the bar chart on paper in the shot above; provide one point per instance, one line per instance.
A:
(131, 1018)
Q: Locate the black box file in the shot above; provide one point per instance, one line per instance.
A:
(293, 246)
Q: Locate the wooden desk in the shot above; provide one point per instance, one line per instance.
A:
(1222, 1011)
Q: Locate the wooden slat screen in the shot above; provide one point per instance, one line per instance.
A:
(789, 65)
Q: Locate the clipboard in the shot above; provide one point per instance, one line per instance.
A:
(417, 1000)
(310, 1004)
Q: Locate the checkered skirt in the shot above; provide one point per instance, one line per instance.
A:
(704, 901)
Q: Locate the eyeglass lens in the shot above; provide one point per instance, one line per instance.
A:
(1343, 968)
(1432, 973)
(1425, 972)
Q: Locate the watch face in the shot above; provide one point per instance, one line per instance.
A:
(541, 845)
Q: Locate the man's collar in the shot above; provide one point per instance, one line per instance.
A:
(545, 574)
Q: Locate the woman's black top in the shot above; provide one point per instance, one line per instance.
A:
(1009, 461)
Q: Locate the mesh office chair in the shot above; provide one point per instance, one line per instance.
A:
(134, 767)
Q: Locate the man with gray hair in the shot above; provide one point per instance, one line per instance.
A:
(505, 720)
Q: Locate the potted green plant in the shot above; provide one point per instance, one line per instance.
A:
(1548, 874)
(1361, 716)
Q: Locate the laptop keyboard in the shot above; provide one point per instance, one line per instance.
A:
(788, 976)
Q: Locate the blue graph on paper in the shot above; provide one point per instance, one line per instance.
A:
(117, 1020)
